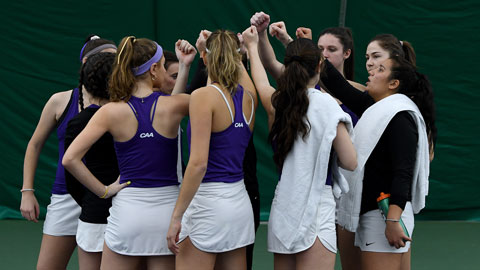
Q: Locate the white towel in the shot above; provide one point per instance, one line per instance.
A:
(305, 170)
(368, 131)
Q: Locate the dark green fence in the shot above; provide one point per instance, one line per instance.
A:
(40, 43)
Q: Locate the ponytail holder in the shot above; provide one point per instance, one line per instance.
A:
(293, 58)
(401, 43)
(123, 47)
(146, 66)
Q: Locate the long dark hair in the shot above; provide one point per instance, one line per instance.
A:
(417, 87)
(94, 75)
(170, 58)
(290, 101)
(345, 37)
(394, 46)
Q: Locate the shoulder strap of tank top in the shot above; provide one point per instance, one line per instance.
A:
(133, 109)
(226, 101)
(251, 113)
(154, 107)
(64, 114)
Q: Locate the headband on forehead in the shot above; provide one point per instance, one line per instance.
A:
(97, 50)
(83, 48)
(146, 66)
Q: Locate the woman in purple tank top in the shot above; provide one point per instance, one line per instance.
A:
(213, 218)
(144, 126)
(60, 225)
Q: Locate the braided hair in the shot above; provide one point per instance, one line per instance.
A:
(94, 75)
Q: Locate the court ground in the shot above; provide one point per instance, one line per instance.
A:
(436, 245)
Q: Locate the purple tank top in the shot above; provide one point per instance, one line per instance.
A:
(148, 159)
(59, 186)
(227, 147)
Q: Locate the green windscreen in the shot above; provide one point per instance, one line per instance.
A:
(41, 40)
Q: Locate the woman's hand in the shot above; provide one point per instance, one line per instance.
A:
(185, 52)
(303, 32)
(173, 234)
(260, 20)
(395, 235)
(113, 189)
(243, 49)
(201, 43)
(279, 30)
(29, 206)
(250, 36)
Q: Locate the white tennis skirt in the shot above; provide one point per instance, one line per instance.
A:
(324, 228)
(219, 218)
(90, 236)
(370, 235)
(139, 220)
(62, 216)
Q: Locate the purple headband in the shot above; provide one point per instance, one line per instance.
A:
(83, 48)
(146, 66)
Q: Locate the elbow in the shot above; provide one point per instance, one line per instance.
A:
(198, 166)
(67, 161)
(350, 164)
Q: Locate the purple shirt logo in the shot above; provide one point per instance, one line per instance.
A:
(146, 135)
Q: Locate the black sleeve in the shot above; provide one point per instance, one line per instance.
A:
(199, 78)
(402, 138)
(75, 188)
(356, 100)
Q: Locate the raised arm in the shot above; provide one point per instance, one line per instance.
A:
(200, 78)
(356, 100)
(185, 53)
(265, 90)
(279, 30)
(304, 32)
(343, 146)
(261, 20)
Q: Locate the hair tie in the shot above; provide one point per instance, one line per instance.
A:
(123, 47)
(401, 43)
(293, 58)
